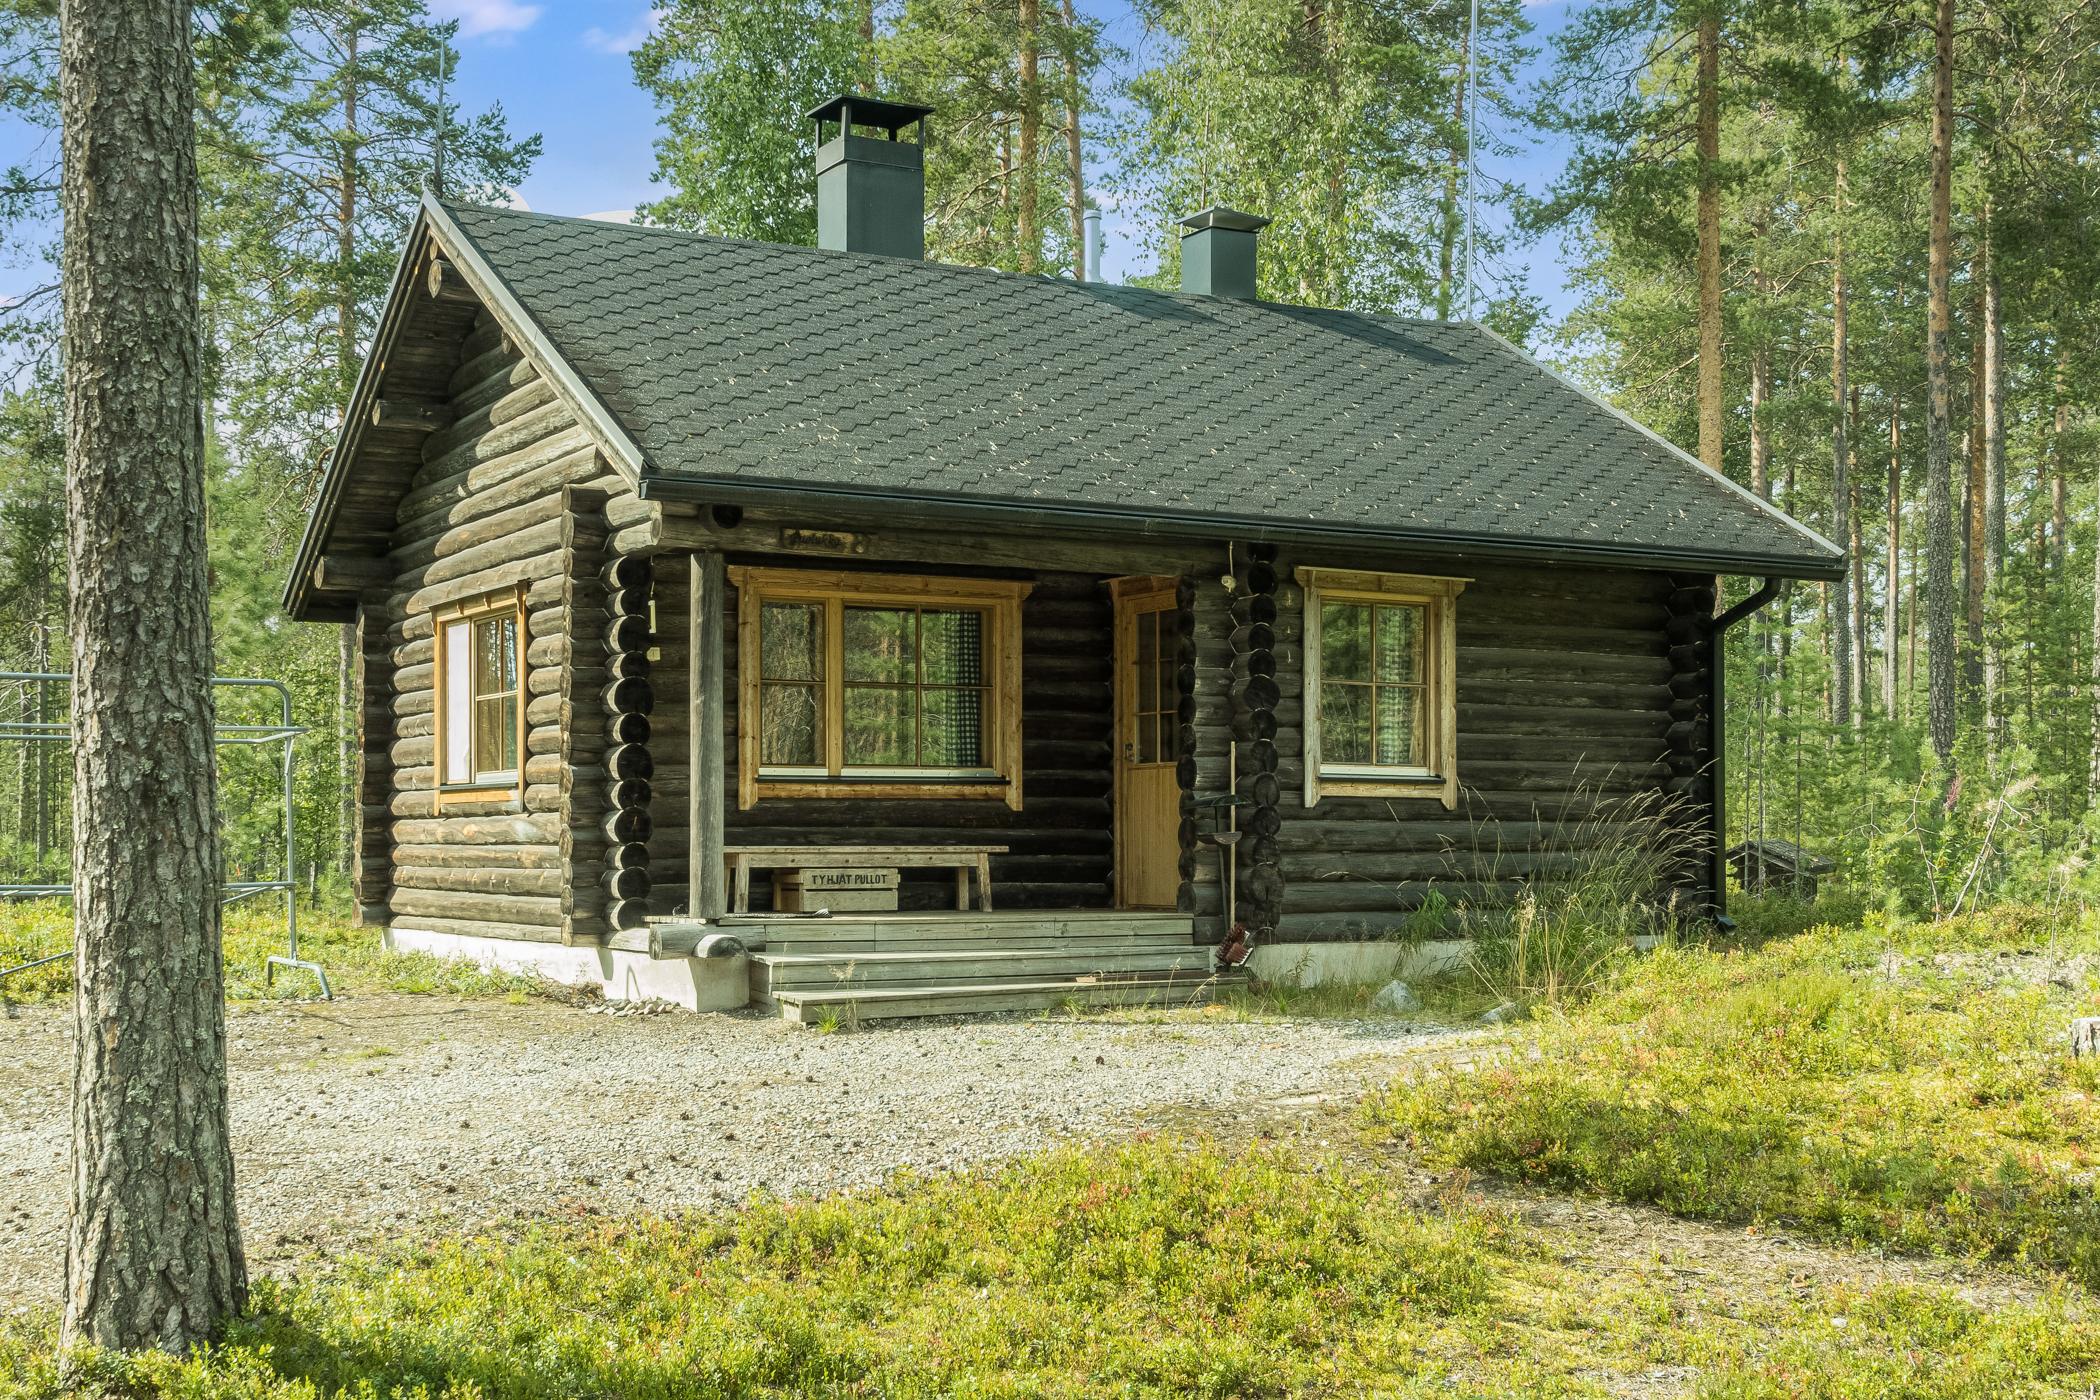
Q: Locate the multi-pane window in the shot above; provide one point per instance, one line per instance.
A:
(1380, 685)
(1374, 708)
(481, 690)
(875, 678)
(1155, 707)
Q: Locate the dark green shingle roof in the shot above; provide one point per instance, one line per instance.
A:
(757, 365)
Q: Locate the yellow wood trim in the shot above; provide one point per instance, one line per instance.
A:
(1440, 597)
(833, 588)
(495, 603)
(817, 584)
(1133, 595)
(747, 718)
(849, 787)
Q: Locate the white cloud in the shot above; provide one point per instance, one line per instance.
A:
(626, 40)
(495, 17)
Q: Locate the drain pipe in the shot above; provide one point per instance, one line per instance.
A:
(1716, 702)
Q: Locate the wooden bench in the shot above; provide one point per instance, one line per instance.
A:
(742, 860)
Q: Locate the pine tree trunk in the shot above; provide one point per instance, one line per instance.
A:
(346, 366)
(1712, 405)
(1840, 453)
(1028, 233)
(1760, 375)
(1075, 147)
(1972, 529)
(1454, 170)
(1993, 548)
(1856, 574)
(154, 1251)
(1892, 582)
(1939, 500)
(2059, 482)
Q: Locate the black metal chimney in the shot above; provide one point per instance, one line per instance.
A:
(871, 193)
(1217, 252)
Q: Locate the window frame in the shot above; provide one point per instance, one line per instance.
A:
(493, 786)
(1438, 597)
(999, 600)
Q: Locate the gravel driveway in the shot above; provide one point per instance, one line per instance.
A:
(363, 1117)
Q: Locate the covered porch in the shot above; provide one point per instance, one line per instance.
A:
(1003, 736)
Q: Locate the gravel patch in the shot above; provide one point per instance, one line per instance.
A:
(364, 1118)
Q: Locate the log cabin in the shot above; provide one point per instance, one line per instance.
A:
(832, 628)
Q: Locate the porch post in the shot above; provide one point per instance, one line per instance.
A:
(709, 880)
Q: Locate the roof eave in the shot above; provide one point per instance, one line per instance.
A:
(997, 512)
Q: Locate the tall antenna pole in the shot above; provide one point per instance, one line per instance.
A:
(1472, 131)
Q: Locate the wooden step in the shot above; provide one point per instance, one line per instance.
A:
(901, 933)
(804, 1008)
(773, 971)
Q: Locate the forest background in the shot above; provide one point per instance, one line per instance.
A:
(1837, 249)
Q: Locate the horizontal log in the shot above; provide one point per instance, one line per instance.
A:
(490, 879)
(530, 910)
(480, 928)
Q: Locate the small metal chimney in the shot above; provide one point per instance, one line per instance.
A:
(1090, 249)
(871, 192)
(1217, 252)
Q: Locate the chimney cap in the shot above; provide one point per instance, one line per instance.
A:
(892, 117)
(1218, 216)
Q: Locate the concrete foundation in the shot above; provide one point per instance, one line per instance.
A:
(697, 984)
(1358, 963)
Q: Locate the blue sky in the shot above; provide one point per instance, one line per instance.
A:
(561, 67)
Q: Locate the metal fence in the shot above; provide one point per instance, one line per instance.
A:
(32, 729)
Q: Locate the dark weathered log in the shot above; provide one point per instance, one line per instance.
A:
(628, 914)
(1254, 725)
(534, 910)
(626, 571)
(411, 415)
(1256, 692)
(627, 727)
(1260, 789)
(1253, 637)
(626, 632)
(627, 824)
(623, 882)
(444, 282)
(628, 695)
(630, 763)
(1253, 608)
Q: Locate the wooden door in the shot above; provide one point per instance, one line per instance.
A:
(1148, 789)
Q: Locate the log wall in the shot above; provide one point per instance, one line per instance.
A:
(489, 509)
(1062, 840)
(1564, 680)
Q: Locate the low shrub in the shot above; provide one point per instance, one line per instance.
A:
(1900, 1086)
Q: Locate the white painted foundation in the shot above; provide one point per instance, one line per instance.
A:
(697, 984)
(1365, 962)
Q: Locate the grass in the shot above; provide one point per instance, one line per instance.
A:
(1158, 1268)
(253, 931)
(1903, 1087)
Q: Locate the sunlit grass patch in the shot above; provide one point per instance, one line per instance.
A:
(1908, 1088)
(1158, 1268)
(254, 930)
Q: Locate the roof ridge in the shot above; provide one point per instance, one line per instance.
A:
(454, 207)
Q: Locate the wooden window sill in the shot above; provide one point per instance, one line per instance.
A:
(886, 789)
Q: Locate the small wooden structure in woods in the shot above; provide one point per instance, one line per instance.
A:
(1772, 865)
(662, 547)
